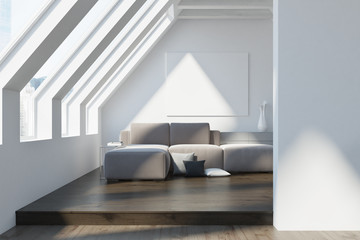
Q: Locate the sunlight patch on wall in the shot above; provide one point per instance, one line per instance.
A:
(319, 170)
(207, 84)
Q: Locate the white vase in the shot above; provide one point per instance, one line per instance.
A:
(262, 126)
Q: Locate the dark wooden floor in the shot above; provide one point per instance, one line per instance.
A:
(239, 199)
(166, 232)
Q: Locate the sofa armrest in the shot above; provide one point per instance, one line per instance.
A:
(125, 137)
(215, 137)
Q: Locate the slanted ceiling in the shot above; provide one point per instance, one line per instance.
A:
(56, 21)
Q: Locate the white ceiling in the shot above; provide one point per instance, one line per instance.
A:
(225, 9)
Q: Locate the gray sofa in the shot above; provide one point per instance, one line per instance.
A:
(149, 146)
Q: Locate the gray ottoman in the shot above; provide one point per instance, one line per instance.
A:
(137, 162)
(248, 157)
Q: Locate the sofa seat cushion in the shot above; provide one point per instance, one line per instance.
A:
(150, 133)
(143, 162)
(212, 154)
(248, 157)
(189, 133)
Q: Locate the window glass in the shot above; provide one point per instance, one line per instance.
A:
(27, 121)
(15, 16)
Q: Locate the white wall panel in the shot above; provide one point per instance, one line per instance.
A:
(317, 184)
(143, 96)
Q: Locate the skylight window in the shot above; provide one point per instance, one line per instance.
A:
(15, 16)
(102, 65)
(113, 61)
(29, 93)
(129, 64)
(87, 36)
(29, 52)
(53, 64)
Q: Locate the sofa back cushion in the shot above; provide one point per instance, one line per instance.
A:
(189, 133)
(150, 133)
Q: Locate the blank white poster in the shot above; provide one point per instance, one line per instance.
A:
(207, 84)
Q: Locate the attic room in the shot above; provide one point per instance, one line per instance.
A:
(78, 73)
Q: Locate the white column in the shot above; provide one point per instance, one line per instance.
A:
(317, 115)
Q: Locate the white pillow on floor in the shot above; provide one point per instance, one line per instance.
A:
(216, 172)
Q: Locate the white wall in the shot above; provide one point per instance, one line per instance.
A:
(30, 170)
(142, 99)
(317, 131)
